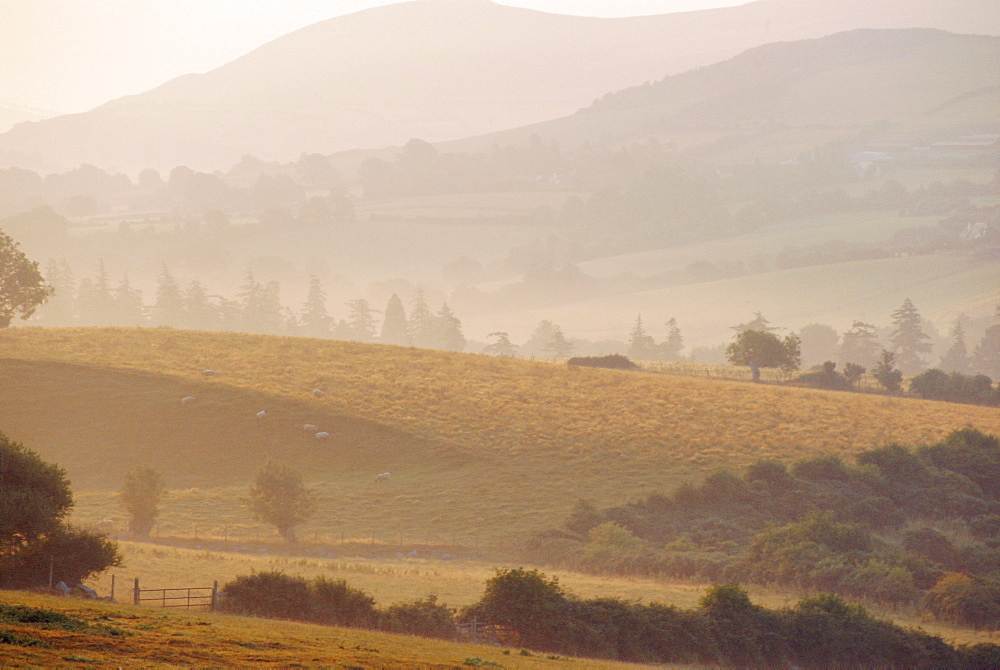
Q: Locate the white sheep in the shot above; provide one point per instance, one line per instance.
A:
(208, 373)
(310, 428)
(261, 414)
(187, 400)
(322, 435)
(383, 477)
(317, 393)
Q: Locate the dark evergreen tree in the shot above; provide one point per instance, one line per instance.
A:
(860, 344)
(502, 347)
(641, 346)
(96, 302)
(129, 310)
(986, 358)
(394, 326)
(315, 320)
(956, 359)
(199, 313)
(421, 325)
(885, 372)
(361, 320)
(168, 309)
(671, 348)
(449, 330)
(909, 342)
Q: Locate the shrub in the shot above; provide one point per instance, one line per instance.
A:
(425, 617)
(962, 599)
(612, 361)
(269, 594)
(335, 603)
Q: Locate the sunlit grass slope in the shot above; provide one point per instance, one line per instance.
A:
(477, 446)
(127, 636)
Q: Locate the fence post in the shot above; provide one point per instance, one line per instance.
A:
(112, 588)
(135, 592)
(215, 595)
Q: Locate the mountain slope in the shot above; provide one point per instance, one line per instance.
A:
(434, 69)
(833, 86)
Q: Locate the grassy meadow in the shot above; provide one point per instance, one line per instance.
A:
(126, 636)
(482, 451)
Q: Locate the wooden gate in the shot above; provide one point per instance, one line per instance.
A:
(192, 597)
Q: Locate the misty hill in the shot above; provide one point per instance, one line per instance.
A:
(434, 69)
(832, 87)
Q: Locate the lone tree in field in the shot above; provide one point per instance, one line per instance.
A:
(761, 349)
(34, 540)
(909, 342)
(141, 495)
(278, 497)
(22, 287)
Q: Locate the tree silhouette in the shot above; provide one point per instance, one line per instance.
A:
(860, 344)
(956, 359)
(278, 497)
(449, 330)
(885, 372)
(315, 319)
(502, 347)
(671, 348)
(168, 309)
(641, 345)
(761, 349)
(140, 496)
(421, 325)
(909, 342)
(22, 288)
(361, 321)
(394, 326)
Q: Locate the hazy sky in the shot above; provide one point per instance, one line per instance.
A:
(63, 56)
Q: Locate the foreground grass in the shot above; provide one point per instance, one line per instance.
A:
(123, 635)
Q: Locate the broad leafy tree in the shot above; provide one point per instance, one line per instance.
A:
(22, 287)
(140, 496)
(35, 497)
(279, 497)
(761, 349)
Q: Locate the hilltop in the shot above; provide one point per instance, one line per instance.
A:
(434, 69)
(476, 445)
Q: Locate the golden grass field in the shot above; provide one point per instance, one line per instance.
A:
(154, 637)
(483, 451)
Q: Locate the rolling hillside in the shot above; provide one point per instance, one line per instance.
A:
(477, 446)
(434, 69)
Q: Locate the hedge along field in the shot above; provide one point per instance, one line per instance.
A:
(482, 450)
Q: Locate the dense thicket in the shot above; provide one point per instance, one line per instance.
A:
(892, 528)
(333, 603)
(725, 629)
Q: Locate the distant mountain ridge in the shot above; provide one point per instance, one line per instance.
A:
(434, 69)
(920, 78)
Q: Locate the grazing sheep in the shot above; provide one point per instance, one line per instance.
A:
(317, 393)
(383, 477)
(309, 428)
(261, 414)
(208, 373)
(187, 400)
(322, 435)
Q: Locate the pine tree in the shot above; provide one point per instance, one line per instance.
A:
(60, 309)
(641, 345)
(316, 321)
(421, 324)
(986, 359)
(956, 359)
(199, 313)
(502, 347)
(260, 306)
(128, 305)
(885, 372)
(909, 342)
(168, 310)
(558, 345)
(671, 348)
(449, 330)
(860, 344)
(361, 321)
(96, 301)
(394, 326)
